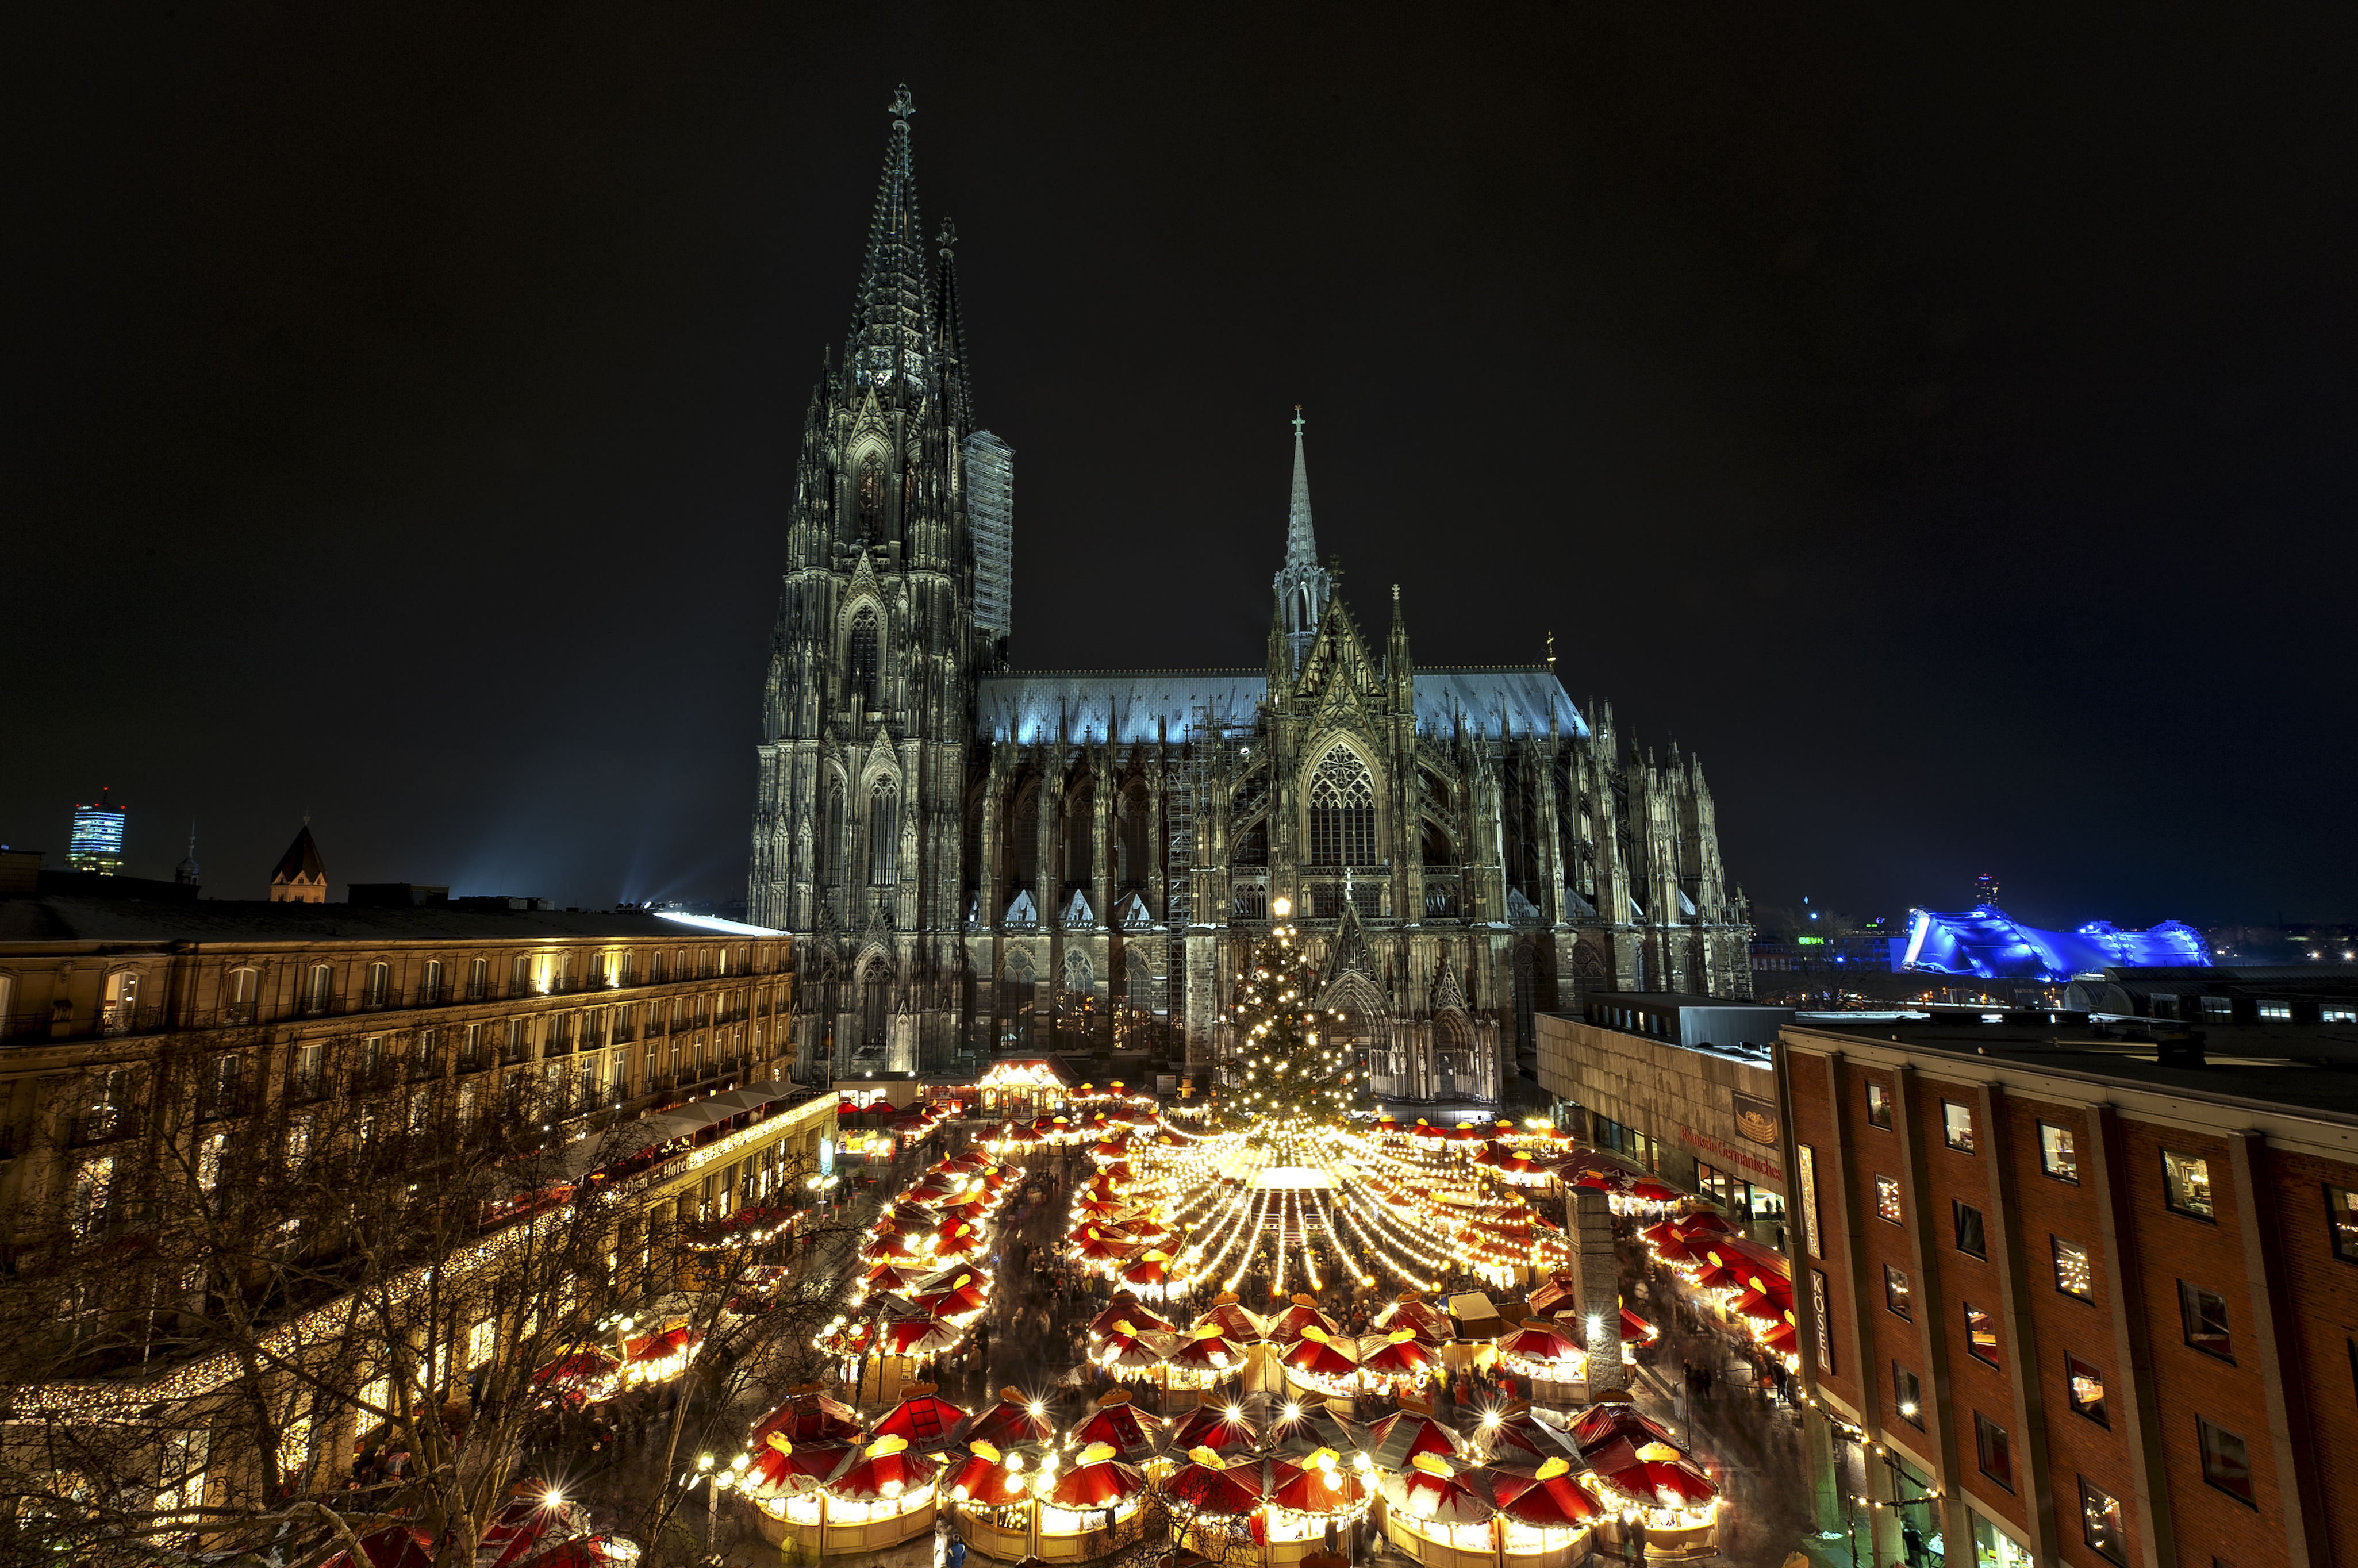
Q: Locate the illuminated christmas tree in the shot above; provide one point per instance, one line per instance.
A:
(1293, 1069)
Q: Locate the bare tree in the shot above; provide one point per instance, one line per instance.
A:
(224, 1322)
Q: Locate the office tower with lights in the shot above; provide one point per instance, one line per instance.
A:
(97, 842)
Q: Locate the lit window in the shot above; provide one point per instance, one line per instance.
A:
(2226, 1462)
(1879, 1106)
(1886, 1199)
(2086, 1385)
(2203, 1314)
(2342, 1219)
(480, 1342)
(2073, 1276)
(2058, 1155)
(1957, 1125)
(2334, 1012)
(1970, 1239)
(1341, 811)
(1895, 1291)
(1991, 1447)
(1907, 1395)
(2218, 1008)
(2186, 1183)
(1981, 1334)
(2277, 1011)
(2100, 1522)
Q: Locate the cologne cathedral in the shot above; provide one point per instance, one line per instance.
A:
(975, 859)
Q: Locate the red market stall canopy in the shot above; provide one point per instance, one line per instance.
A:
(1012, 1422)
(886, 1468)
(1099, 1479)
(929, 1422)
(1544, 1496)
(1223, 1429)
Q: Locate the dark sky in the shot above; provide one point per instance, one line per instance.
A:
(1944, 428)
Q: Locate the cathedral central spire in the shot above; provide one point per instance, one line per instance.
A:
(889, 315)
(1302, 585)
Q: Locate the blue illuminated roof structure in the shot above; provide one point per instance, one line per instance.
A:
(1991, 944)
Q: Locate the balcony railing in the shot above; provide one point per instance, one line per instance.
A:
(1445, 894)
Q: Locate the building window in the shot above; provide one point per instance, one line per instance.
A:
(2334, 1013)
(1820, 1302)
(1907, 1396)
(2203, 1314)
(1957, 1125)
(861, 691)
(319, 988)
(2275, 1013)
(1994, 1450)
(2085, 1384)
(1341, 811)
(2226, 1462)
(2186, 1183)
(1808, 1159)
(479, 980)
(2100, 1522)
(2073, 1276)
(1886, 1199)
(1981, 1334)
(1894, 1292)
(2057, 1154)
(481, 1340)
(883, 838)
(2342, 1222)
(2218, 1009)
(310, 1070)
(1970, 1239)
(1879, 1106)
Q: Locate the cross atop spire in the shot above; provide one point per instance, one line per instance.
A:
(1301, 543)
(903, 105)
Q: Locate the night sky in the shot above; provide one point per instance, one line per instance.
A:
(1944, 428)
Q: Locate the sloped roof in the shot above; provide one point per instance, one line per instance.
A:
(1126, 706)
(301, 860)
(1113, 705)
(1527, 698)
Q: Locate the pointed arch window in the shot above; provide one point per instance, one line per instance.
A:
(875, 1006)
(830, 840)
(1342, 812)
(861, 666)
(867, 502)
(883, 837)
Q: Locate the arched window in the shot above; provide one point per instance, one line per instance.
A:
(1136, 864)
(379, 987)
(1079, 836)
(875, 1006)
(883, 837)
(831, 829)
(868, 502)
(1342, 812)
(241, 995)
(319, 987)
(861, 691)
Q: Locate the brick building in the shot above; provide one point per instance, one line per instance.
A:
(2079, 1293)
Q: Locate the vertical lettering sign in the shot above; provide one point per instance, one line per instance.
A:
(1809, 1174)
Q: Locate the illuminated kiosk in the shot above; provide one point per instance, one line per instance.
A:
(831, 1499)
(1030, 1085)
(1047, 1501)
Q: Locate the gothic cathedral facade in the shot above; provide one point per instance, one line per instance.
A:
(977, 860)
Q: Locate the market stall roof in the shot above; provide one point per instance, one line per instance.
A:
(1013, 1421)
(1223, 1429)
(930, 1422)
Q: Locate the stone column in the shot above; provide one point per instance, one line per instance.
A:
(1588, 1225)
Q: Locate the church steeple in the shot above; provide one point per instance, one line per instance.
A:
(1302, 585)
(889, 318)
(950, 331)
